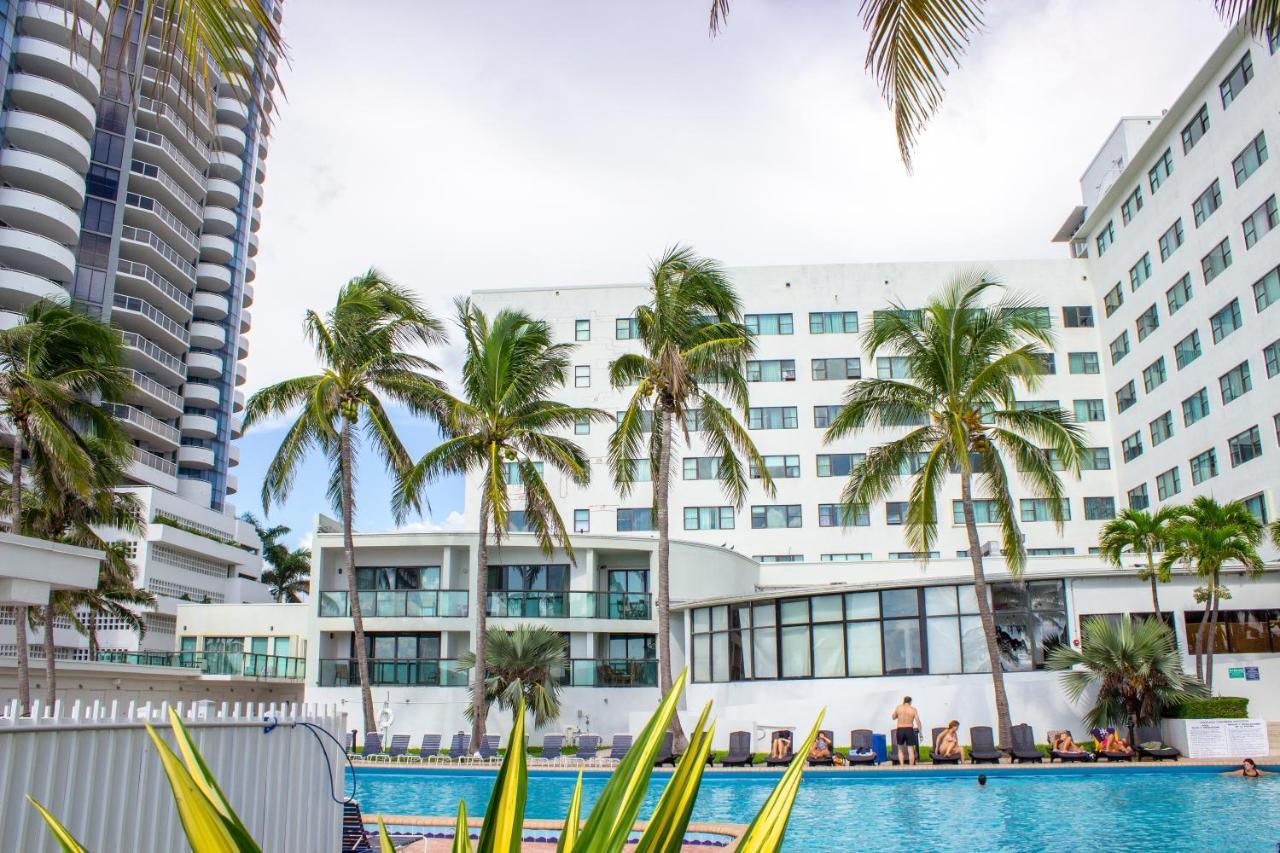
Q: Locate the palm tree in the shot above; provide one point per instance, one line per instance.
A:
(966, 362)
(914, 45)
(694, 348)
(55, 367)
(1207, 536)
(527, 663)
(115, 596)
(290, 576)
(1135, 666)
(361, 346)
(503, 426)
(273, 550)
(1140, 532)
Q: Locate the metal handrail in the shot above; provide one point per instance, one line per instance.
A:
(153, 240)
(569, 604)
(420, 672)
(125, 412)
(610, 672)
(420, 603)
(146, 202)
(153, 137)
(151, 460)
(140, 343)
(142, 306)
(155, 389)
(151, 170)
(163, 284)
(151, 105)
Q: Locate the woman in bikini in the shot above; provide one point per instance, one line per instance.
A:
(1248, 769)
(821, 749)
(780, 748)
(948, 745)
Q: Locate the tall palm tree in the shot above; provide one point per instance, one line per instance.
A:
(914, 44)
(1140, 532)
(115, 596)
(694, 348)
(361, 344)
(273, 550)
(55, 367)
(503, 426)
(1206, 537)
(966, 361)
(527, 662)
(290, 575)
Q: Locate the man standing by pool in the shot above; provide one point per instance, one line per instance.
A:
(907, 734)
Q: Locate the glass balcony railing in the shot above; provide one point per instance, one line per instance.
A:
(615, 672)
(190, 660)
(246, 664)
(569, 605)
(412, 672)
(421, 603)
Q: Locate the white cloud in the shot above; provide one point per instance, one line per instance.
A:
(452, 523)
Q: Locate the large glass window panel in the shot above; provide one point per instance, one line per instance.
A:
(702, 657)
(940, 601)
(863, 643)
(862, 605)
(795, 611)
(795, 652)
(944, 645)
(1050, 629)
(764, 614)
(764, 649)
(900, 602)
(827, 608)
(828, 650)
(719, 618)
(973, 643)
(720, 657)
(902, 647)
(1014, 636)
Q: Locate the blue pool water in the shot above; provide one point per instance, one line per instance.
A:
(1096, 809)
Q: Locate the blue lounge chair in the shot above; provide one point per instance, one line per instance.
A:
(620, 747)
(488, 750)
(373, 747)
(398, 749)
(552, 746)
(588, 745)
(459, 746)
(354, 837)
(430, 747)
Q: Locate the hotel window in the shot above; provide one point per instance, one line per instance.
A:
(907, 315)
(1041, 509)
(984, 512)
(1187, 350)
(1131, 447)
(839, 464)
(641, 470)
(1119, 347)
(708, 518)
(770, 324)
(833, 322)
(1207, 202)
(1095, 459)
(701, 467)
(1049, 552)
(1161, 171)
(1051, 457)
(645, 416)
(1105, 238)
(772, 370)
(1138, 498)
(779, 467)
(582, 521)
(1099, 509)
(835, 368)
(582, 376)
(582, 330)
(1271, 355)
(511, 472)
(1217, 261)
(893, 367)
(1171, 239)
(1168, 484)
(693, 420)
(632, 519)
(1226, 321)
(779, 558)
(1140, 272)
(1237, 78)
(848, 557)
(772, 417)
(824, 415)
(1148, 321)
(913, 463)
(1266, 290)
(1038, 315)
(1131, 205)
(1154, 375)
(1195, 407)
(1180, 294)
(1113, 300)
(775, 515)
(1090, 410)
(582, 425)
(1083, 362)
(1245, 447)
(1077, 316)
(1048, 363)
(842, 515)
(1261, 222)
(895, 513)
(395, 578)
(1239, 632)
(1126, 396)
(1235, 382)
(1196, 128)
(517, 522)
(1248, 160)
(1204, 466)
(626, 328)
(1035, 406)
(1161, 429)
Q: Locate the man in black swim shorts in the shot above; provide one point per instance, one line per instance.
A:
(907, 733)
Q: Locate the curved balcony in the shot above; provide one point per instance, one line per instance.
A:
(152, 180)
(207, 335)
(250, 269)
(139, 244)
(262, 146)
(225, 165)
(201, 395)
(242, 348)
(217, 249)
(152, 146)
(255, 220)
(242, 373)
(43, 135)
(199, 426)
(204, 365)
(233, 486)
(211, 306)
(213, 277)
(190, 456)
(246, 320)
(237, 404)
(58, 63)
(247, 295)
(253, 245)
(20, 289)
(145, 357)
(154, 396)
(36, 254)
(134, 278)
(52, 22)
(40, 214)
(234, 113)
(44, 175)
(231, 139)
(220, 221)
(53, 99)
(150, 469)
(257, 195)
(161, 117)
(233, 455)
(138, 315)
(143, 211)
(142, 426)
(170, 86)
(237, 426)
(222, 192)
(260, 170)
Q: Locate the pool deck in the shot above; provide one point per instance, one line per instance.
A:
(537, 828)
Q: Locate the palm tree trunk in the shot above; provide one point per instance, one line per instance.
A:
(20, 613)
(353, 594)
(50, 672)
(1213, 636)
(1155, 595)
(1203, 634)
(93, 635)
(479, 703)
(1003, 718)
(662, 493)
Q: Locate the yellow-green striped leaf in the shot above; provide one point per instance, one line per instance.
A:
(504, 818)
(384, 838)
(205, 828)
(569, 833)
(59, 832)
(207, 784)
(766, 832)
(461, 833)
(671, 817)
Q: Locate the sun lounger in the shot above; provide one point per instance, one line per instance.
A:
(1101, 735)
(620, 747)
(351, 745)
(943, 759)
(791, 748)
(1151, 735)
(459, 746)
(552, 746)
(354, 837)
(666, 753)
(488, 749)
(739, 751)
(830, 760)
(982, 749)
(860, 748)
(1024, 748)
(1067, 757)
(430, 747)
(399, 748)
(373, 747)
(588, 746)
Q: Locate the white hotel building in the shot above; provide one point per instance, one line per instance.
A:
(783, 605)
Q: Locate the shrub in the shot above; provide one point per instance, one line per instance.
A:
(1213, 708)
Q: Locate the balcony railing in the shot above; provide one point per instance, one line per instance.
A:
(142, 235)
(398, 602)
(146, 309)
(153, 171)
(154, 352)
(569, 605)
(412, 672)
(139, 418)
(245, 664)
(611, 672)
(162, 141)
(154, 388)
(167, 216)
(188, 660)
(159, 463)
(161, 283)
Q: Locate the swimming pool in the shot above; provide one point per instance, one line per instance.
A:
(1103, 808)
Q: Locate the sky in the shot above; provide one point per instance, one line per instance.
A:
(460, 146)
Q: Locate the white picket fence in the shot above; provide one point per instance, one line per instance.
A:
(95, 768)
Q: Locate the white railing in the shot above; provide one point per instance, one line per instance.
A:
(148, 348)
(161, 283)
(152, 137)
(94, 766)
(159, 108)
(151, 170)
(142, 235)
(139, 418)
(146, 202)
(146, 309)
(155, 389)
(151, 460)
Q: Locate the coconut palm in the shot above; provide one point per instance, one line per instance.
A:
(526, 663)
(273, 550)
(1206, 537)
(503, 426)
(914, 45)
(1140, 532)
(361, 344)
(1135, 666)
(694, 348)
(966, 362)
(56, 365)
(290, 575)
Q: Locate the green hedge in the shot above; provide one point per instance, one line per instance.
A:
(1213, 708)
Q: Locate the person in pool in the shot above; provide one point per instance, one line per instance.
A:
(1248, 769)
(948, 745)
(821, 749)
(780, 748)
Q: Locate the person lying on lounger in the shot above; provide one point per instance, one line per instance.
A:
(1115, 743)
(1063, 743)
(780, 748)
(821, 749)
(1248, 769)
(948, 745)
